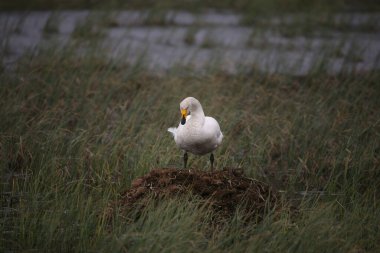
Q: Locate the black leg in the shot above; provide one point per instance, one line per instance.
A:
(212, 162)
(185, 159)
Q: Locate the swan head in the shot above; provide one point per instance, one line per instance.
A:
(189, 106)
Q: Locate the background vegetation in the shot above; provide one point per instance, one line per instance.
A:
(76, 130)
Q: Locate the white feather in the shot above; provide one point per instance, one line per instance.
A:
(199, 135)
(172, 130)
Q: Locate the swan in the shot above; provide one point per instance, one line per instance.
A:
(196, 133)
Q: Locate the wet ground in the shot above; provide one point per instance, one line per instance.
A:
(225, 190)
(292, 44)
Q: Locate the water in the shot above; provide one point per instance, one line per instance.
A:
(161, 42)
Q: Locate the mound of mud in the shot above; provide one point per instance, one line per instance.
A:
(225, 190)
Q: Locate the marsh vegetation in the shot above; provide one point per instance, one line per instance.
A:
(77, 128)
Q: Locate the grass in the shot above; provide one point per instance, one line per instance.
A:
(190, 36)
(76, 132)
(91, 28)
(52, 25)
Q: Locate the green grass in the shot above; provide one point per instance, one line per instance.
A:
(52, 25)
(75, 131)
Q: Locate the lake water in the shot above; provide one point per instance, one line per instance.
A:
(210, 40)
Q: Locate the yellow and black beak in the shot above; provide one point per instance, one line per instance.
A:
(184, 114)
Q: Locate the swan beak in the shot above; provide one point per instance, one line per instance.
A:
(184, 114)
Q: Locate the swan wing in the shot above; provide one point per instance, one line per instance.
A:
(212, 130)
(172, 130)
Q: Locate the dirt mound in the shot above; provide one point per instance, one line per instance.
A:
(225, 190)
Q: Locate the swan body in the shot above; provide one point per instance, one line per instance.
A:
(196, 133)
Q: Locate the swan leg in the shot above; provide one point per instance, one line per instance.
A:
(185, 157)
(212, 162)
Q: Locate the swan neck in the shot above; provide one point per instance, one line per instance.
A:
(198, 115)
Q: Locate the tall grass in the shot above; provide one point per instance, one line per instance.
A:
(75, 131)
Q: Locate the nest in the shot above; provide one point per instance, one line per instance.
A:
(224, 190)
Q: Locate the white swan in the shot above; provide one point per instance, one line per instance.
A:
(196, 133)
